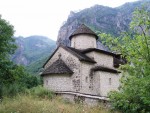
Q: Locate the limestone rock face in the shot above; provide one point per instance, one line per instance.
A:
(99, 19)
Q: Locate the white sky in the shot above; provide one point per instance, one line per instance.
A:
(45, 17)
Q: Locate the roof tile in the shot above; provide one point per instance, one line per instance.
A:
(83, 29)
(58, 67)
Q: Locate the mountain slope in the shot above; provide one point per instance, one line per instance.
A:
(100, 19)
(31, 49)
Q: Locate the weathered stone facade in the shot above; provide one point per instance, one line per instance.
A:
(77, 41)
(58, 83)
(101, 59)
(94, 75)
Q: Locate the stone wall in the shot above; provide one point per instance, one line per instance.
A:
(58, 83)
(85, 100)
(108, 82)
(72, 62)
(83, 41)
(97, 83)
(67, 57)
(85, 77)
(89, 84)
(101, 59)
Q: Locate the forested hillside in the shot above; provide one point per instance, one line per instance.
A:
(33, 51)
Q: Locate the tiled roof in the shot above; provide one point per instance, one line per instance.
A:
(83, 29)
(58, 67)
(78, 54)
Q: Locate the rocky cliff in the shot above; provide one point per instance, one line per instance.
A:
(100, 19)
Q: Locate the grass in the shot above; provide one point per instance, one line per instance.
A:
(30, 104)
(34, 101)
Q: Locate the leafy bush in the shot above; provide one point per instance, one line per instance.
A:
(22, 81)
(1, 91)
(30, 81)
(41, 92)
(12, 90)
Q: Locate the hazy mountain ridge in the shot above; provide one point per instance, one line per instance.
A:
(31, 49)
(100, 19)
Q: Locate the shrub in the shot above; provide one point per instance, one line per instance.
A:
(41, 92)
(12, 90)
(1, 91)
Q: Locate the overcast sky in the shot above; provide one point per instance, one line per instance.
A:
(45, 17)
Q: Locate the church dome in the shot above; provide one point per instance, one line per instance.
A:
(83, 29)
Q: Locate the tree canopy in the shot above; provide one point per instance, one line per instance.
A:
(7, 47)
(134, 92)
(13, 78)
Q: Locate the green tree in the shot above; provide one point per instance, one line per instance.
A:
(13, 78)
(7, 47)
(134, 94)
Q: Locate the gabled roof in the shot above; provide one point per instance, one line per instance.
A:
(58, 67)
(83, 29)
(79, 55)
(75, 52)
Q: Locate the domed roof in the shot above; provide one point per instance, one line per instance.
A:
(83, 29)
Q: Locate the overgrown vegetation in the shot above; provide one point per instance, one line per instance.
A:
(40, 92)
(134, 94)
(32, 52)
(40, 100)
(36, 67)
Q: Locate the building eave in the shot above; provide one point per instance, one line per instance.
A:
(105, 69)
(100, 51)
(59, 74)
(83, 34)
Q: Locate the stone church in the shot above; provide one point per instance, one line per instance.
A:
(82, 71)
